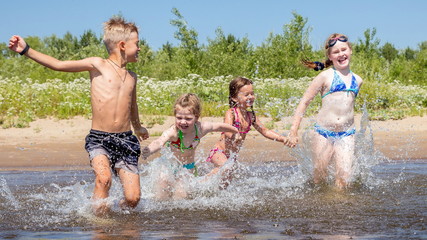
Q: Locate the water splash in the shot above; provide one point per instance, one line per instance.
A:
(7, 194)
(251, 186)
(367, 157)
(261, 192)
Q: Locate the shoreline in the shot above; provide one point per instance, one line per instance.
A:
(50, 144)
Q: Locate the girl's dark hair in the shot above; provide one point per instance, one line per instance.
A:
(234, 88)
(317, 66)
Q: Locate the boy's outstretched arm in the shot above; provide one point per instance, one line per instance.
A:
(18, 44)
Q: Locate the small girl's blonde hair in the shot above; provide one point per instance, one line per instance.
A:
(190, 101)
(117, 29)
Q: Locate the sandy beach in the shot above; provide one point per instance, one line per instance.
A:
(50, 144)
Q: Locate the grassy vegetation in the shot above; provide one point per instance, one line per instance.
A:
(24, 100)
(394, 79)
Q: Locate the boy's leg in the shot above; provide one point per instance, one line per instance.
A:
(322, 153)
(103, 178)
(131, 188)
(344, 155)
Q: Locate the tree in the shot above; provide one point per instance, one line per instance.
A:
(369, 45)
(89, 38)
(188, 37)
(389, 52)
(409, 54)
(227, 55)
(189, 52)
(280, 55)
(423, 46)
(168, 49)
(62, 48)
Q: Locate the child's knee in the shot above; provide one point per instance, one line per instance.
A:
(103, 181)
(132, 201)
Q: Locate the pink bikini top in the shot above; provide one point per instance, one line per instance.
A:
(237, 123)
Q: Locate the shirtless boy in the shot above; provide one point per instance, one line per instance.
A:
(111, 145)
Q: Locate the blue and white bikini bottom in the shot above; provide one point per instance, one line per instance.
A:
(331, 134)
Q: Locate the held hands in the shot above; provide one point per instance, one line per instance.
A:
(284, 139)
(17, 44)
(142, 133)
(292, 140)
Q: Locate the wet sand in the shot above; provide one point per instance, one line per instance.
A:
(59, 144)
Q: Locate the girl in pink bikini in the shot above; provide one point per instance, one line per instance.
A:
(240, 115)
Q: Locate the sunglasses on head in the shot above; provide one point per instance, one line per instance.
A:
(333, 41)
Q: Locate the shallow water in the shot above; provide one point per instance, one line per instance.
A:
(266, 201)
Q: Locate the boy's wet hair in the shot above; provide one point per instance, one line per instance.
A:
(234, 88)
(190, 101)
(318, 66)
(117, 29)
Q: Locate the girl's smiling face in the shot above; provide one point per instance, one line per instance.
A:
(340, 55)
(185, 119)
(245, 97)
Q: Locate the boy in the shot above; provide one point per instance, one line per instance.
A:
(110, 143)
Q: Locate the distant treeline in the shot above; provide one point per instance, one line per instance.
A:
(278, 56)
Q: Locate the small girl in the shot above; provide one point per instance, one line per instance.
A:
(183, 138)
(241, 98)
(333, 133)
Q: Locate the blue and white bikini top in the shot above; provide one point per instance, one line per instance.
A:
(338, 85)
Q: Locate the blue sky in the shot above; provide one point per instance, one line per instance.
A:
(401, 23)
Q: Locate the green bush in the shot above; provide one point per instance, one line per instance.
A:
(22, 101)
(394, 80)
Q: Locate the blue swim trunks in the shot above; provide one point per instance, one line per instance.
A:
(122, 149)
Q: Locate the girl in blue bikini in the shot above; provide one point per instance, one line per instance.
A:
(333, 135)
(183, 138)
(241, 115)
